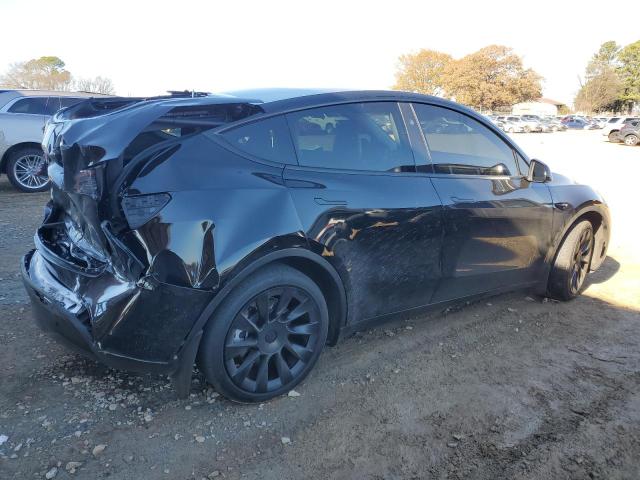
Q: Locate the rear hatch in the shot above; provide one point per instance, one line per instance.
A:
(95, 150)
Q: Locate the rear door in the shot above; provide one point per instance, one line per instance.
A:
(497, 225)
(364, 208)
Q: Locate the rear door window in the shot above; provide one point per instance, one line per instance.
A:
(30, 105)
(461, 145)
(357, 136)
(268, 139)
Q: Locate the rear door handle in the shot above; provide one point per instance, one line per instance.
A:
(326, 201)
(462, 200)
(562, 205)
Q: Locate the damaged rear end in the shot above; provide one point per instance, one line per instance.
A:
(110, 274)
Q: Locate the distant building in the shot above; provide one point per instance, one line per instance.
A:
(542, 106)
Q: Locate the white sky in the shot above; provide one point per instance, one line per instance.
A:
(148, 47)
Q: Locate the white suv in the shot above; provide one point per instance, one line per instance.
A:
(23, 114)
(613, 126)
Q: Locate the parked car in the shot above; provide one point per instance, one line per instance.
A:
(23, 114)
(526, 125)
(557, 125)
(614, 125)
(223, 230)
(511, 127)
(630, 133)
(601, 121)
(576, 123)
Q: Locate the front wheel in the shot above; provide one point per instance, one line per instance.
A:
(27, 170)
(266, 336)
(613, 137)
(631, 140)
(572, 263)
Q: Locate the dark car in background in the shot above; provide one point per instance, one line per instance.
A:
(23, 114)
(246, 231)
(578, 123)
(629, 134)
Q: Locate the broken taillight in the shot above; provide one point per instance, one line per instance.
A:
(139, 209)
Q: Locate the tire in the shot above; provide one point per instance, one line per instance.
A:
(252, 350)
(26, 170)
(572, 263)
(631, 140)
(613, 137)
(527, 129)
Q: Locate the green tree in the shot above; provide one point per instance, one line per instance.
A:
(605, 58)
(491, 78)
(599, 92)
(422, 72)
(44, 73)
(629, 72)
(601, 87)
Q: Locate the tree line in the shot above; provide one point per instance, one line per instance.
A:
(611, 81)
(49, 73)
(490, 79)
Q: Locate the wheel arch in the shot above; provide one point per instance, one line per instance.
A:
(308, 263)
(598, 216)
(14, 148)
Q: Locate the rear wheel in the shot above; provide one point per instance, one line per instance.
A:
(266, 336)
(27, 170)
(572, 262)
(613, 137)
(631, 140)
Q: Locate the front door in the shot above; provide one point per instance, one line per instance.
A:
(497, 225)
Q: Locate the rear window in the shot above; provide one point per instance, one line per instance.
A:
(268, 139)
(614, 119)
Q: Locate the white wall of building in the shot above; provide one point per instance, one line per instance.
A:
(534, 108)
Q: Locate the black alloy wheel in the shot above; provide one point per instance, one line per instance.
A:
(266, 336)
(581, 259)
(573, 261)
(272, 339)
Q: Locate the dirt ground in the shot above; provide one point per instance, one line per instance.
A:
(513, 387)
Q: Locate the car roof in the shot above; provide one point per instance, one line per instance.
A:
(277, 100)
(7, 95)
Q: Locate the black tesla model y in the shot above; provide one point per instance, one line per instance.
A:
(244, 232)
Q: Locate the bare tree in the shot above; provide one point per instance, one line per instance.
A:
(94, 85)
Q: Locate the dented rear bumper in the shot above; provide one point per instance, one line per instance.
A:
(135, 326)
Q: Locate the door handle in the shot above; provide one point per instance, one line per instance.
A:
(562, 205)
(462, 200)
(325, 201)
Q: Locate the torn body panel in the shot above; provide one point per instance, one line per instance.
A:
(135, 274)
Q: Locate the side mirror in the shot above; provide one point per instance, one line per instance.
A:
(538, 172)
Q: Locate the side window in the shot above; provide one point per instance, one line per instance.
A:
(31, 105)
(53, 105)
(461, 145)
(358, 136)
(268, 139)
